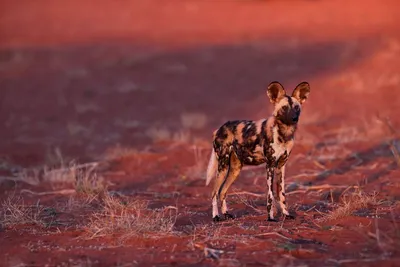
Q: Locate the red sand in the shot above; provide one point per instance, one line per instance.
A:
(89, 76)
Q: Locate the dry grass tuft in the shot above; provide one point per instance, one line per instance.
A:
(15, 212)
(83, 178)
(28, 176)
(392, 142)
(352, 203)
(160, 134)
(120, 152)
(198, 169)
(88, 182)
(194, 120)
(130, 218)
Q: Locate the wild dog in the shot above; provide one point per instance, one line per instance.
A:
(243, 142)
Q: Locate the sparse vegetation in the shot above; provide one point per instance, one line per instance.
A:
(392, 142)
(353, 202)
(84, 178)
(248, 202)
(130, 218)
(15, 212)
(120, 152)
(198, 169)
(158, 134)
(193, 120)
(157, 78)
(87, 181)
(126, 217)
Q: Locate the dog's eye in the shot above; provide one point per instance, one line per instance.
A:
(296, 108)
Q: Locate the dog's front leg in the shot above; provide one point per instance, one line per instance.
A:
(280, 175)
(270, 193)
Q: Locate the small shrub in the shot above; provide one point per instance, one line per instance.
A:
(352, 203)
(130, 218)
(15, 212)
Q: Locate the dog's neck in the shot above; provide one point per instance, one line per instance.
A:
(285, 131)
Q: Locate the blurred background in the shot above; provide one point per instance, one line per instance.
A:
(87, 76)
(107, 110)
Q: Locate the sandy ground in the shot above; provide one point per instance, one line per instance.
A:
(137, 87)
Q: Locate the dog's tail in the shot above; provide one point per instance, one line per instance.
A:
(212, 167)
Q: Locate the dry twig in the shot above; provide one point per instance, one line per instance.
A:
(275, 233)
(61, 192)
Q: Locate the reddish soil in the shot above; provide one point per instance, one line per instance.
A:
(142, 85)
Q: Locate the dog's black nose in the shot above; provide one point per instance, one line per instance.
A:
(295, 118)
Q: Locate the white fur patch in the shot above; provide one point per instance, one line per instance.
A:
(224, 208)
(215, 207)
(278, 147)
(212, 167)
(295, 101)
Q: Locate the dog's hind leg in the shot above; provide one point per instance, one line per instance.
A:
(270, 193)
(235, 167)
(223, 165)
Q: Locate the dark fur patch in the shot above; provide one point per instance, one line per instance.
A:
(290, 101)
(249, 131)
(243, 143)
(285, 132)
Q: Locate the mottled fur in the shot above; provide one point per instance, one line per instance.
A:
(270, 141)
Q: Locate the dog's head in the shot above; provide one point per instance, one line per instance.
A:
(287, 109)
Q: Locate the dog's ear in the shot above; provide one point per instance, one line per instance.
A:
(275, 92)
(301, 92)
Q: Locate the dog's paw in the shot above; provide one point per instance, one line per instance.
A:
(229, 216)
(271, 220)
(217, 218)
(290, 216)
